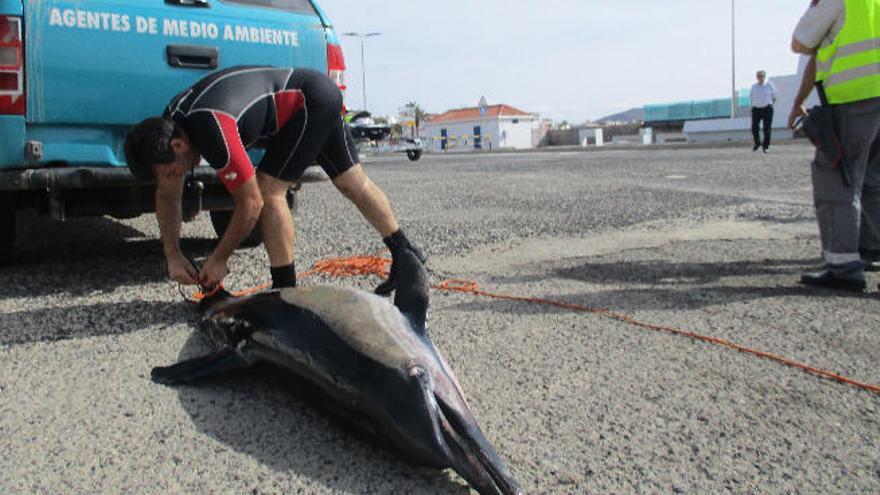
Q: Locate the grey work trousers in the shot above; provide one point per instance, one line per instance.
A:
(849, 217)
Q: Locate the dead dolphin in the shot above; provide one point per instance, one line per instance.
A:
(373, 361)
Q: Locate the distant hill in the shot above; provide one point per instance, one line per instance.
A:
(630, 115)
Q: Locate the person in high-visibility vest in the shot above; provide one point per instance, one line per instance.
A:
(843, 39)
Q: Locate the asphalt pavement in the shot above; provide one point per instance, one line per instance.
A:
(704, 240)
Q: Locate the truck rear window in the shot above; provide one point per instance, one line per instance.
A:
(298, 6)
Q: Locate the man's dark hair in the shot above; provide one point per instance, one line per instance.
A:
(149, 143)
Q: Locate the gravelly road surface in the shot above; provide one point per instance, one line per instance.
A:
(707, 240)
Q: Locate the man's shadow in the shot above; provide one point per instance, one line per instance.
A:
(277, 421)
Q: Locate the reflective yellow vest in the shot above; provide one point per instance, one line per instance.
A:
(850, 66)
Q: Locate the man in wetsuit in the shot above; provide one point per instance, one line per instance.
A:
(296, 115)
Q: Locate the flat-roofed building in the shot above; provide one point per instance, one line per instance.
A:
(488, 127)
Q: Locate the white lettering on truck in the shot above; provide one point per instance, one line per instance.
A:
(178, 28)
(82, 19)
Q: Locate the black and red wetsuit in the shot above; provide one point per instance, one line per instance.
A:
(296, 114)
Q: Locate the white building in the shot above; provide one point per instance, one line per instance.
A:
(740, 128)
(497, 126)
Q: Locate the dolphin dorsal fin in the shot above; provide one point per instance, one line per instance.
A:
(411, 297)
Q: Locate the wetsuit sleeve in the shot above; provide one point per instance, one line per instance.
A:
(216, 136)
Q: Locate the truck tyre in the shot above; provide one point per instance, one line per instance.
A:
(414, 155)
(7, 232)
(220, 220)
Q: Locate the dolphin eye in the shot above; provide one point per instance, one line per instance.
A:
(415, 370)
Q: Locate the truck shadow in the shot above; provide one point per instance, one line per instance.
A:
(82, 256)
(41, 239)
(276, 421)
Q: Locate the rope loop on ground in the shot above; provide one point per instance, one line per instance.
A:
(376, 265)
(458, 285)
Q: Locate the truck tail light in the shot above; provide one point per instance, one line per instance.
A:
(12, 92)
(336, 67)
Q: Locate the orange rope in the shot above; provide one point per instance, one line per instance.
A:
(472, 288)
(335, 267)
(350, 267)
(375, 265)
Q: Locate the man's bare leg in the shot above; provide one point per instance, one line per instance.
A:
(276, 227)
(369, 199)
(375, 207)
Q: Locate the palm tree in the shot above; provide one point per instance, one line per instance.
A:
(419, 113)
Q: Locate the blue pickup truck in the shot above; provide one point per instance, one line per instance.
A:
(75, 75)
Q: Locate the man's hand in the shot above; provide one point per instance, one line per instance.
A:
(181, 270)
(213, 272)
(796, 111)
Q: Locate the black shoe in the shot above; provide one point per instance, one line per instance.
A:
(756, 147)
(828, 280)
(871, 259)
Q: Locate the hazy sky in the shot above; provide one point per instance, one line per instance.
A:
(565, 59)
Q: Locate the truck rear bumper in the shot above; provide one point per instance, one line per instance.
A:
(63, 178)
(94, 191)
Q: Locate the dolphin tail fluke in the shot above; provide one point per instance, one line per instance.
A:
(475, 459)
(219, 363)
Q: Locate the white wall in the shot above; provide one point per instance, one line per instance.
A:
(460, 135)
(517, 135)
(497, 133)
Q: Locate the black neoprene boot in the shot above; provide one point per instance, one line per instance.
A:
(396, 242)
(283, 276)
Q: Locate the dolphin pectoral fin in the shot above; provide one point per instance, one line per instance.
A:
(411, 297)
(219, 363)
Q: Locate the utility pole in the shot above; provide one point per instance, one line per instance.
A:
(363, 66)
(732, 59)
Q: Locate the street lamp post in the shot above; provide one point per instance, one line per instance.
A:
(732, 59)
(363, 66)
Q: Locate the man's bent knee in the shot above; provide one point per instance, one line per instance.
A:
(352, 183)
(273, 190)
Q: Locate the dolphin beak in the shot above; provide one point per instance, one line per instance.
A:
(476, 461)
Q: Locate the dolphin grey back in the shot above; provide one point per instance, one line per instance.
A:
(366, 322)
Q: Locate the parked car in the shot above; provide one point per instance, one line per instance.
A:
(74, 76)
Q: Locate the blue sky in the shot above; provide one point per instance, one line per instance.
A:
(565, 59)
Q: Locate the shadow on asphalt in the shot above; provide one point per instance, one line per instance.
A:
(666, 273)
(673, 286)
(630, 300)
(87, 275)
(41, 239)
(51, 324)
(81, 256)
(274, 420)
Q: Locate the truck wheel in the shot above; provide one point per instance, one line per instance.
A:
(220, 220)
(414, 155)
(7, 232)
